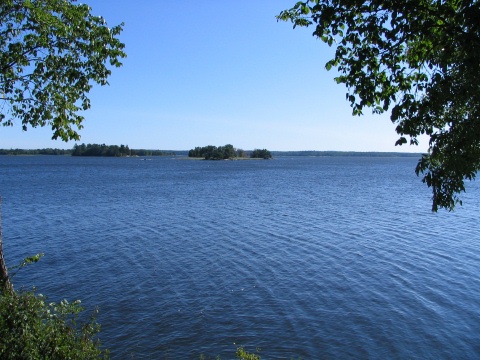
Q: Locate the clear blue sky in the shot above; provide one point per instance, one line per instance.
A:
(214, 72)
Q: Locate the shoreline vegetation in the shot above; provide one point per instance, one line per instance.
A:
(184, 153)
(100, 150)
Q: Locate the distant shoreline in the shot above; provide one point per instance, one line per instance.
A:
(314, 153)
(184, 153)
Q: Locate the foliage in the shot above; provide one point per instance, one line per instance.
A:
(27, 261)
(244, 355)
(47, 151)
(240, 353)
(262, 154)
(240, 153)
(211, 152)
(144, 152)
(419, 59)
(114, 150)
(51, 51)
(31, 328)
(100, 150)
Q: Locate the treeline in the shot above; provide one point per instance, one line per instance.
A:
(144, 152)
(114, 151)
(91, 150)
(344, 153)
(101, 150)
(48, 151)
(211, 152)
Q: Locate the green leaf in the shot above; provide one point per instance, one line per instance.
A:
(57, 50)
(423, 58)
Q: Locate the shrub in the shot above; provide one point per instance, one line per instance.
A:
(31, 328)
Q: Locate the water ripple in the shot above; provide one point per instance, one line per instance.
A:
(311, 258)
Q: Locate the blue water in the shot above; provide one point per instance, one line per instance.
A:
(312, 258)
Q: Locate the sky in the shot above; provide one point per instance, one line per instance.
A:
(216, 72)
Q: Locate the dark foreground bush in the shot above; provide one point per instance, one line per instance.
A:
(31, 328)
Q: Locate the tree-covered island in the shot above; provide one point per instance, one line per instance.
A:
(227, 152)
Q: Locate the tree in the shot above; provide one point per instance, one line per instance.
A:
(228, 151)
(262, 154)
(5, 284)
(240, 153)
(419, 59)
(51, 51)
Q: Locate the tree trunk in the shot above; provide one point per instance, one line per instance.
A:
(5, 283)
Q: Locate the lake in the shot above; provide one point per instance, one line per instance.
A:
(302, 257)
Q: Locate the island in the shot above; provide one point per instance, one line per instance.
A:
(227, 152)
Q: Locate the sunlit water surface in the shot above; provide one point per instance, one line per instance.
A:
(306, 258)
